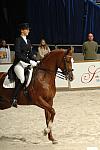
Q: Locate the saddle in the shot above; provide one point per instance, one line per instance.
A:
(10, 79)
(11, 74)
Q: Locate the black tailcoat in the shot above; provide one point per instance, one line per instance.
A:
(23, 51)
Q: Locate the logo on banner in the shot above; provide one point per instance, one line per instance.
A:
(93, 73)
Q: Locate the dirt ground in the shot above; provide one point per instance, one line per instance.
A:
(76, 124)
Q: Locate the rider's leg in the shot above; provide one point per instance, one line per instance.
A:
(18, 86)
(19, 71)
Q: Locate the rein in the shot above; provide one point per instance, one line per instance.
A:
(47, 70)
(59, 73)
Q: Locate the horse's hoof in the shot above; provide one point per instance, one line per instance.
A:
(46, 131)
(14, 103)
(54, 142)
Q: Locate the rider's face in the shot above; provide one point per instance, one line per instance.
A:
(25, 32)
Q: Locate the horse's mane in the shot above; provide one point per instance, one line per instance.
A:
(52, 53)
(68, 51)
(53, 56)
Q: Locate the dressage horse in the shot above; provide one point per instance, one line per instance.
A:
(41, 89)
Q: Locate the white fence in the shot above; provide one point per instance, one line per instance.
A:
(86, 75)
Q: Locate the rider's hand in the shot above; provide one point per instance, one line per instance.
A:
(38, 62)
(33, 63)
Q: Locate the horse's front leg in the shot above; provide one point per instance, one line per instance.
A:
(48, 130)
(49, 113)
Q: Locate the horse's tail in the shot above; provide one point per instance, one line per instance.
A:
(4, 104)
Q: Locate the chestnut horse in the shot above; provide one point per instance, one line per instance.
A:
(41, 89)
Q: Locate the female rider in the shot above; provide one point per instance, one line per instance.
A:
(23, 58)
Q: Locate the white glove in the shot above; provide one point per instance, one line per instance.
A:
(33, 63)
(38, 62)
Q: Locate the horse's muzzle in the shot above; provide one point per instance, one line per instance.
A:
(69, 76)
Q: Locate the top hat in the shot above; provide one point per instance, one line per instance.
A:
(24, 26)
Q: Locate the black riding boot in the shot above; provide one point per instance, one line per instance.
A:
(18, 86)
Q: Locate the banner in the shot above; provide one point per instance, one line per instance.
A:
(86, 74)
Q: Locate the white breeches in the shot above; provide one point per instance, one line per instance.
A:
(19, 70)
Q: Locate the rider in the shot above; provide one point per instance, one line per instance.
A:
(23, 58)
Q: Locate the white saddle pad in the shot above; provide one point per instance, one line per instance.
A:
(8, 84)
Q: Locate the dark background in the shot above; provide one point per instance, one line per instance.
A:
(11, 14)
(58, 21)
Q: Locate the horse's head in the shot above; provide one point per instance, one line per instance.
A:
(66, 65)
(58, 58)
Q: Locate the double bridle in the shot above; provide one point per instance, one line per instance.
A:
(65, 72)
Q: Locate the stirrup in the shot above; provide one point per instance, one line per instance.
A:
(14, 103)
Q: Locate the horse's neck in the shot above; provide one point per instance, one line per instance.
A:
(52, 61)
(49, 64)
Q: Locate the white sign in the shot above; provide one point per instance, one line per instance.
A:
(60, 80)
(92, 148)
(61, 83)
(86, 74)
(4, 67)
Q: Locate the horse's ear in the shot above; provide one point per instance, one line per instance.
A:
(69, 51)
